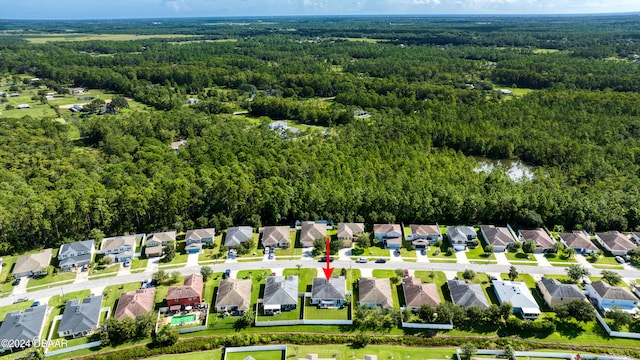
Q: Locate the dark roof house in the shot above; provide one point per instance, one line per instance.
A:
(280, 294)
(76, 254)
(237, 235)
(23, 326)
(467, 295)
(578, 240)
(417, 294)
(543, 241)
(498, 237)
(80, 318)
(556, 293)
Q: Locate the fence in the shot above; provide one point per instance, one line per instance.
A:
(618, 334)
(302, 322)
(73, 348)
(448, 326)
(545, 355)
(282, 348)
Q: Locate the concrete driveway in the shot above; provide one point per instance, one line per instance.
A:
(22, 287)
(192, 259)
(421, 258)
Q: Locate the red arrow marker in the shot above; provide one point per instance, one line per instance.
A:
(328, 270)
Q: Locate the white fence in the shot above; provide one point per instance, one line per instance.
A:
(618, 334)
(448, 326)
(302, 322)
(282, 348)
(545, 355)
(73, 348)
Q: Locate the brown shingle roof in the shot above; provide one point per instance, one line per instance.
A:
(541, 238)
(616, 240)
(417, 294)
(273, 235)
(607, 291)
(375, 291)
(311, 231)
(33, 262)
(192, 288)
(578, 239)
(234, 292)
(135, 303)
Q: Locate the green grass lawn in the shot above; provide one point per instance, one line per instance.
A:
(254, 252)
(284, 315)
(112, 293)
(384, 352)
(315, 313)
(436, 277)
(51, 278)
(179, 258)
(436, 253)
(376, 250)
(7, 266)
(13, 307)
(351, 275)
(479, 254)
(520, 256)
(102, 270)
(257, 355)
(560, 258)
(306, 277)
(138, 263)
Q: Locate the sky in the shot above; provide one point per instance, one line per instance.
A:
(114, 9)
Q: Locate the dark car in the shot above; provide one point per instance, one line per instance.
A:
(227, 274)
(381, 261)
(423, 252)
(324, 258)
(16, 282)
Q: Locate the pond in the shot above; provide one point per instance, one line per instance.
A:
(515, 169)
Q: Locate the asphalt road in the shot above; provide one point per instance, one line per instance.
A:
(257, 265)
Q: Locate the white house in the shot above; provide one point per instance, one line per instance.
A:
(608, 297)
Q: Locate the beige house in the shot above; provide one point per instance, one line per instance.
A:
(233, 296)
(347, 232)
(34, 264)
(276, 236)
(417, 294)
(557, 293)
(375, 292)
(312, 231)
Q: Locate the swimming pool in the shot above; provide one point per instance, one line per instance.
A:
(183, 319)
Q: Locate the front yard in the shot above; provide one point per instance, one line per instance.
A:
(65, 277)
(520, 256)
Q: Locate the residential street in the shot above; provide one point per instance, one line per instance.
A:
(277, 265)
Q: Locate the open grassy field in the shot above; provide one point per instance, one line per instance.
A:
(45, 38)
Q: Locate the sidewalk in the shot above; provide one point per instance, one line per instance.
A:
(583, 261)
(502, 258)
(461, 257)
(542, 261)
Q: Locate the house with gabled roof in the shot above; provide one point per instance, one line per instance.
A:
(33, 264)
(120, 248)
(417, 293)
(467, 295)
(155, 243)
(389, 234)
(424, 235)
(556, 293)
(75, 255)
(23, 326)
(375, 292)
(579, 241)
(498, 237)
(311, 231)
(348, 232)
(133, 304)
(194, 239)
(276, 236)
(615, 242)
(189, 294)
(461, 236)
(237, 235)
(280, 294)
(80, 318)
(328, 293)
(608, 297)
(544, 242)
(518, 294)
(233, 296)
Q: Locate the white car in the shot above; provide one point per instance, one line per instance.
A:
(620, 259)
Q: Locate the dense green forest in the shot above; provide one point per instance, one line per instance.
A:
(429, 85)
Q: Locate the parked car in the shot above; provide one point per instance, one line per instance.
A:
(362, 260)
(270, 256)
(267, 250)
(620, 259)
(324, 258)
(381, 261)
(19, 300)
(85, 267)
(35, 303)
(423, 252)
(227, 274)
(627, 258)
(16, 282)
(406, 272)
(126, 263)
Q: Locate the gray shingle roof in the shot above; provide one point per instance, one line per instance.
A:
(459, 234)
(559, 290)
(237, 235)
(34, 262)
(77, 247)
(375, 291)
(616, 241)
(333, 289)
(497, 236)
(81, 316)
(74, 260)
(467, 295)
(607, 291)
(25, 325)
(281, 290)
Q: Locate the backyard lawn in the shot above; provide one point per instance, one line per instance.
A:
(315, 313)
(306, 277)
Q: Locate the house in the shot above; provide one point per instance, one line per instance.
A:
(467, 295)
(76, 108)
(76, 91)
(461, 236)
(608, 297)
(189, 294)
(23, 106)
(347, 232)
(616, 243)
(135, 303)
(192, 101)
(80, 318)
(311, 231)
(518, 294)
(424, 235)
(389, 234)
(276, 236)
(33, 264)
(505, 92)
(23, 326)
(417, 294)
(498, 237)
(328, 293)
(120, 248)
(556, 293)
(155, 243)
(195, 238)
(544, 242)
(75, 255)
(237, 235)
(233, 296)
(635, 237)
(375, 292)
(280, 294)
(282, 125)
(579, 241)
